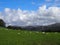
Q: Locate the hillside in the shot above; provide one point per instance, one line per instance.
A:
(49, 28)
(19, 37)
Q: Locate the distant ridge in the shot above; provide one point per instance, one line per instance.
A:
(49, 28)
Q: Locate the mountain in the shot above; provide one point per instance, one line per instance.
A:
(49, 28)
(54, 27)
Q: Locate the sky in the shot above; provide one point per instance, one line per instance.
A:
(30, 12)
(27, 4)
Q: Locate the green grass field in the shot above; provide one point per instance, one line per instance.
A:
(19, 37)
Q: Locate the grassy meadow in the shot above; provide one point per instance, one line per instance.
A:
(20, 37)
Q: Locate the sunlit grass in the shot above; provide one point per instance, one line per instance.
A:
(19, 37)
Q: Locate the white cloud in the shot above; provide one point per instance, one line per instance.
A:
(42, 16)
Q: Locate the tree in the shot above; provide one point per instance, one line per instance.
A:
(14, 27)
(2, 23)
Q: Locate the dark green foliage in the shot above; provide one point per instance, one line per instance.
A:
(2, 23)
(14, 27)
